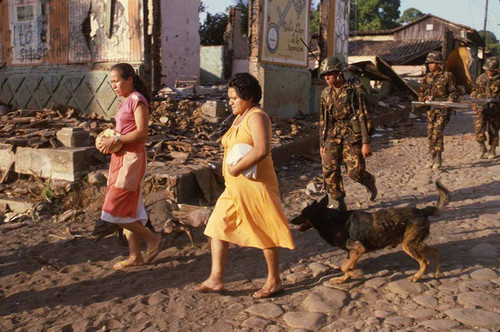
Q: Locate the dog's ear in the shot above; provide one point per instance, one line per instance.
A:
(324, 201)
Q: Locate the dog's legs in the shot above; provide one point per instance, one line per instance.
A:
(190, 235)
(414, 250)
(356, 250)
(435, 257)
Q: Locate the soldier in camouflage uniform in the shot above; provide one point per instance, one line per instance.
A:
(437, 85)
(345, 126)
(487, 116)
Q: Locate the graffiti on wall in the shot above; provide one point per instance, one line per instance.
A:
(341, 32)
(28, 35)
(286, 26)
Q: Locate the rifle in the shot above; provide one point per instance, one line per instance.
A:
(461, 104)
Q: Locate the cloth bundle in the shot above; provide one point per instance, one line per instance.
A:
(237, 152)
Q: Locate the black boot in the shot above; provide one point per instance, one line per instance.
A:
(483, 152)
(372, 188)
(341, 205)
(492, 152)
(437, 161)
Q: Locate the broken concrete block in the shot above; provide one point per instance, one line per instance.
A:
(58, 164)
(73, 137)
(6, 157)
(214, 109)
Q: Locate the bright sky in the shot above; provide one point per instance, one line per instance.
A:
(466, 12)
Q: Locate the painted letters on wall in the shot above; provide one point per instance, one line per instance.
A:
(286, 26)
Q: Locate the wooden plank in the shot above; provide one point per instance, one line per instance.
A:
(59, 31)
(5, 33)
(135, 18)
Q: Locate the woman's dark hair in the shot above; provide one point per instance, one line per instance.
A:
(126, 71)
(246, 86)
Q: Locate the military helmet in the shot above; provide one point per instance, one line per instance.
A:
(434, 57)
(491, 63)
(332, 63)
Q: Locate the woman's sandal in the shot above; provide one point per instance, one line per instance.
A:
(264, 294)
(123, 264)
(150, 255)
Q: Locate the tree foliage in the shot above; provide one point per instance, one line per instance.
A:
(314, 19)
(491, 42)
(212, 30)
(374, 14)
(410, 15)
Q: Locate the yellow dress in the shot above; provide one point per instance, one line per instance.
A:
(249, 213)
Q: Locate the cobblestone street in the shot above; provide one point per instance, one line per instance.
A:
(87, 295)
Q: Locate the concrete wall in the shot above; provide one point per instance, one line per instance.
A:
(72, 85)
(286, 90)
(180, 55)
(211, 64)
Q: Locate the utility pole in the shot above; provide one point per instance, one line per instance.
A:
(485, 19)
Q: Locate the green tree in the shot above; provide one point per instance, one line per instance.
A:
(314, 19)
(212, 30)
(410, 15)
(491, 42)
(374, 14)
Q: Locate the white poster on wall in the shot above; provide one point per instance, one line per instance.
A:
(28, 31)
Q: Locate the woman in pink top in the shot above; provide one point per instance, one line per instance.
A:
(123, 203)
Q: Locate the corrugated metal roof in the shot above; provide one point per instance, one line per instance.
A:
(416, 21)
(393, 51)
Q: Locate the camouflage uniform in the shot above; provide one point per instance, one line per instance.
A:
(343, 130)
(487, 116)
(439, 86)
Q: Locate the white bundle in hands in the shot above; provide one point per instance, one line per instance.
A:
(237, 152)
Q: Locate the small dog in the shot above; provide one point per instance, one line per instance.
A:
(359, 232)
(184, 220)
(103, 228)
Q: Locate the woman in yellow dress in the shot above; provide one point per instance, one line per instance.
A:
(248, 213)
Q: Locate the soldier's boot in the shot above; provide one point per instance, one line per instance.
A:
(438, 161)
(372, 188)
(483, 152)
(431, 163)
(492, 152)
(341, 205)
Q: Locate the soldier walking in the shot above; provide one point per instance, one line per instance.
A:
(345, 130)
(487, 117)
(440, 86)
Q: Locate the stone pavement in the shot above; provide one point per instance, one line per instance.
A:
(465, 297)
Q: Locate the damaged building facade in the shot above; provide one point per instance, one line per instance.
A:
(60, 51)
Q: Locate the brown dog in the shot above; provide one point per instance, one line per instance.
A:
(185, 219)
(359, 232)
(103, 228)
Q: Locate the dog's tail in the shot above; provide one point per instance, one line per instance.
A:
(444, 199)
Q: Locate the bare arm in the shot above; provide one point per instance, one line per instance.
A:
(259, 129)
(141, 116)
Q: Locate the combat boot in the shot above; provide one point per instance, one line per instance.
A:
(492, 152)
(437, 162)
(431, 163)
(483, 152)
(341, 205)
(372, 188)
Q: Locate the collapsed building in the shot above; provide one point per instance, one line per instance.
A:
(405, 48)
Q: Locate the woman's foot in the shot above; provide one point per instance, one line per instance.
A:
(268, 290)
(128, 262)
(153, 250)
(209, 287)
